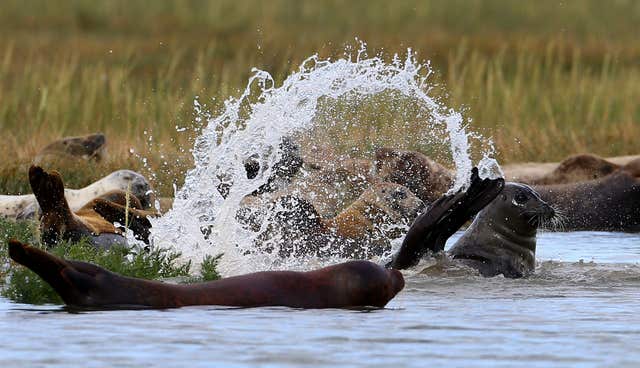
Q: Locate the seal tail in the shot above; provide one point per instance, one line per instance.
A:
(430, 230)
(71, 280)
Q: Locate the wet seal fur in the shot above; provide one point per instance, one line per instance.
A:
(85, 285)
(84, 147)
(611, 203)
(426, 178)
(362, 230)
(20, 207)
(94, 221)
(501, 239)
(573, 169)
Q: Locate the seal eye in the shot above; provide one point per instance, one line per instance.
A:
(520, 198)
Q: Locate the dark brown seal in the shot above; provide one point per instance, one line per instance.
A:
(501, 239)
(85, 285)
(611, 203)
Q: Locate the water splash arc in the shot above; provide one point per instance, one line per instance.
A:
(252, 125)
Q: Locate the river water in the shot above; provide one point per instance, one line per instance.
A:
(579, 309)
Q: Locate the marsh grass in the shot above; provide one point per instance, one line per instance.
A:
(543, 79)
(22, 285)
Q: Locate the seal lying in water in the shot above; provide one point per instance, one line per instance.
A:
(20, 207)
(94, 221)
(501, 239)
(85, 147)
(84, 285)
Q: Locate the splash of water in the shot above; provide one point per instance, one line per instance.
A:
(202, 221)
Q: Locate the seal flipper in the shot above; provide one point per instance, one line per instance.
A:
(57, 220)
(69, 279)
(430, 230)
(114, 212)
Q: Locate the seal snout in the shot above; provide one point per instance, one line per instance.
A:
(397, 280)
(548, 212)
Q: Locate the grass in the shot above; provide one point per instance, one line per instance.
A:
(545, 79)
(24, 286)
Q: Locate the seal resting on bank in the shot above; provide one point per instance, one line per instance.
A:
(85, 285)
(20, 207)
(501, 238)
(84, 147)
(611, 203)
(94, 221)
(573, 169)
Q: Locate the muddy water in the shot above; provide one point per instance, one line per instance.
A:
(581, 308)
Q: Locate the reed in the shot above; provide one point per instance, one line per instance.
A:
(543, 80)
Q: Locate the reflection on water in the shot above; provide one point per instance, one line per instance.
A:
(570, 313)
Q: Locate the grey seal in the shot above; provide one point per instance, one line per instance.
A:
(501, 239)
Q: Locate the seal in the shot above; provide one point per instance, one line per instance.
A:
(88, 147)
(94, 221)
(573, 169)
(426, 178)
(363, 229)
(85, 285)
(333, 187)
(611, 203)
(382, 205)
(501, 239)
(20, 207)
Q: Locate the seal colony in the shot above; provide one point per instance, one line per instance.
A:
(20, 207)
(345, 285)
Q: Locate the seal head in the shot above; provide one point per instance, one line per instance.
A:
(502, 238)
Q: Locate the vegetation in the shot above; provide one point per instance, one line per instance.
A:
(545, 79)
(24, 286)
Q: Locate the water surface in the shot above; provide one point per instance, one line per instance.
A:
(579, 309)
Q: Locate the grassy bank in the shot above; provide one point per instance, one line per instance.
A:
(545, 79)
(22, 285)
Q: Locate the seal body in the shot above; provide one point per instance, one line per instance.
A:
(573, 169)
(84, 147)
(502, 237)
(94, 221)
(611, 203)
(345, 285)
(362, 230)
(426, 178)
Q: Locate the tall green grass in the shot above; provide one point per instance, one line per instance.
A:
(545, 79)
